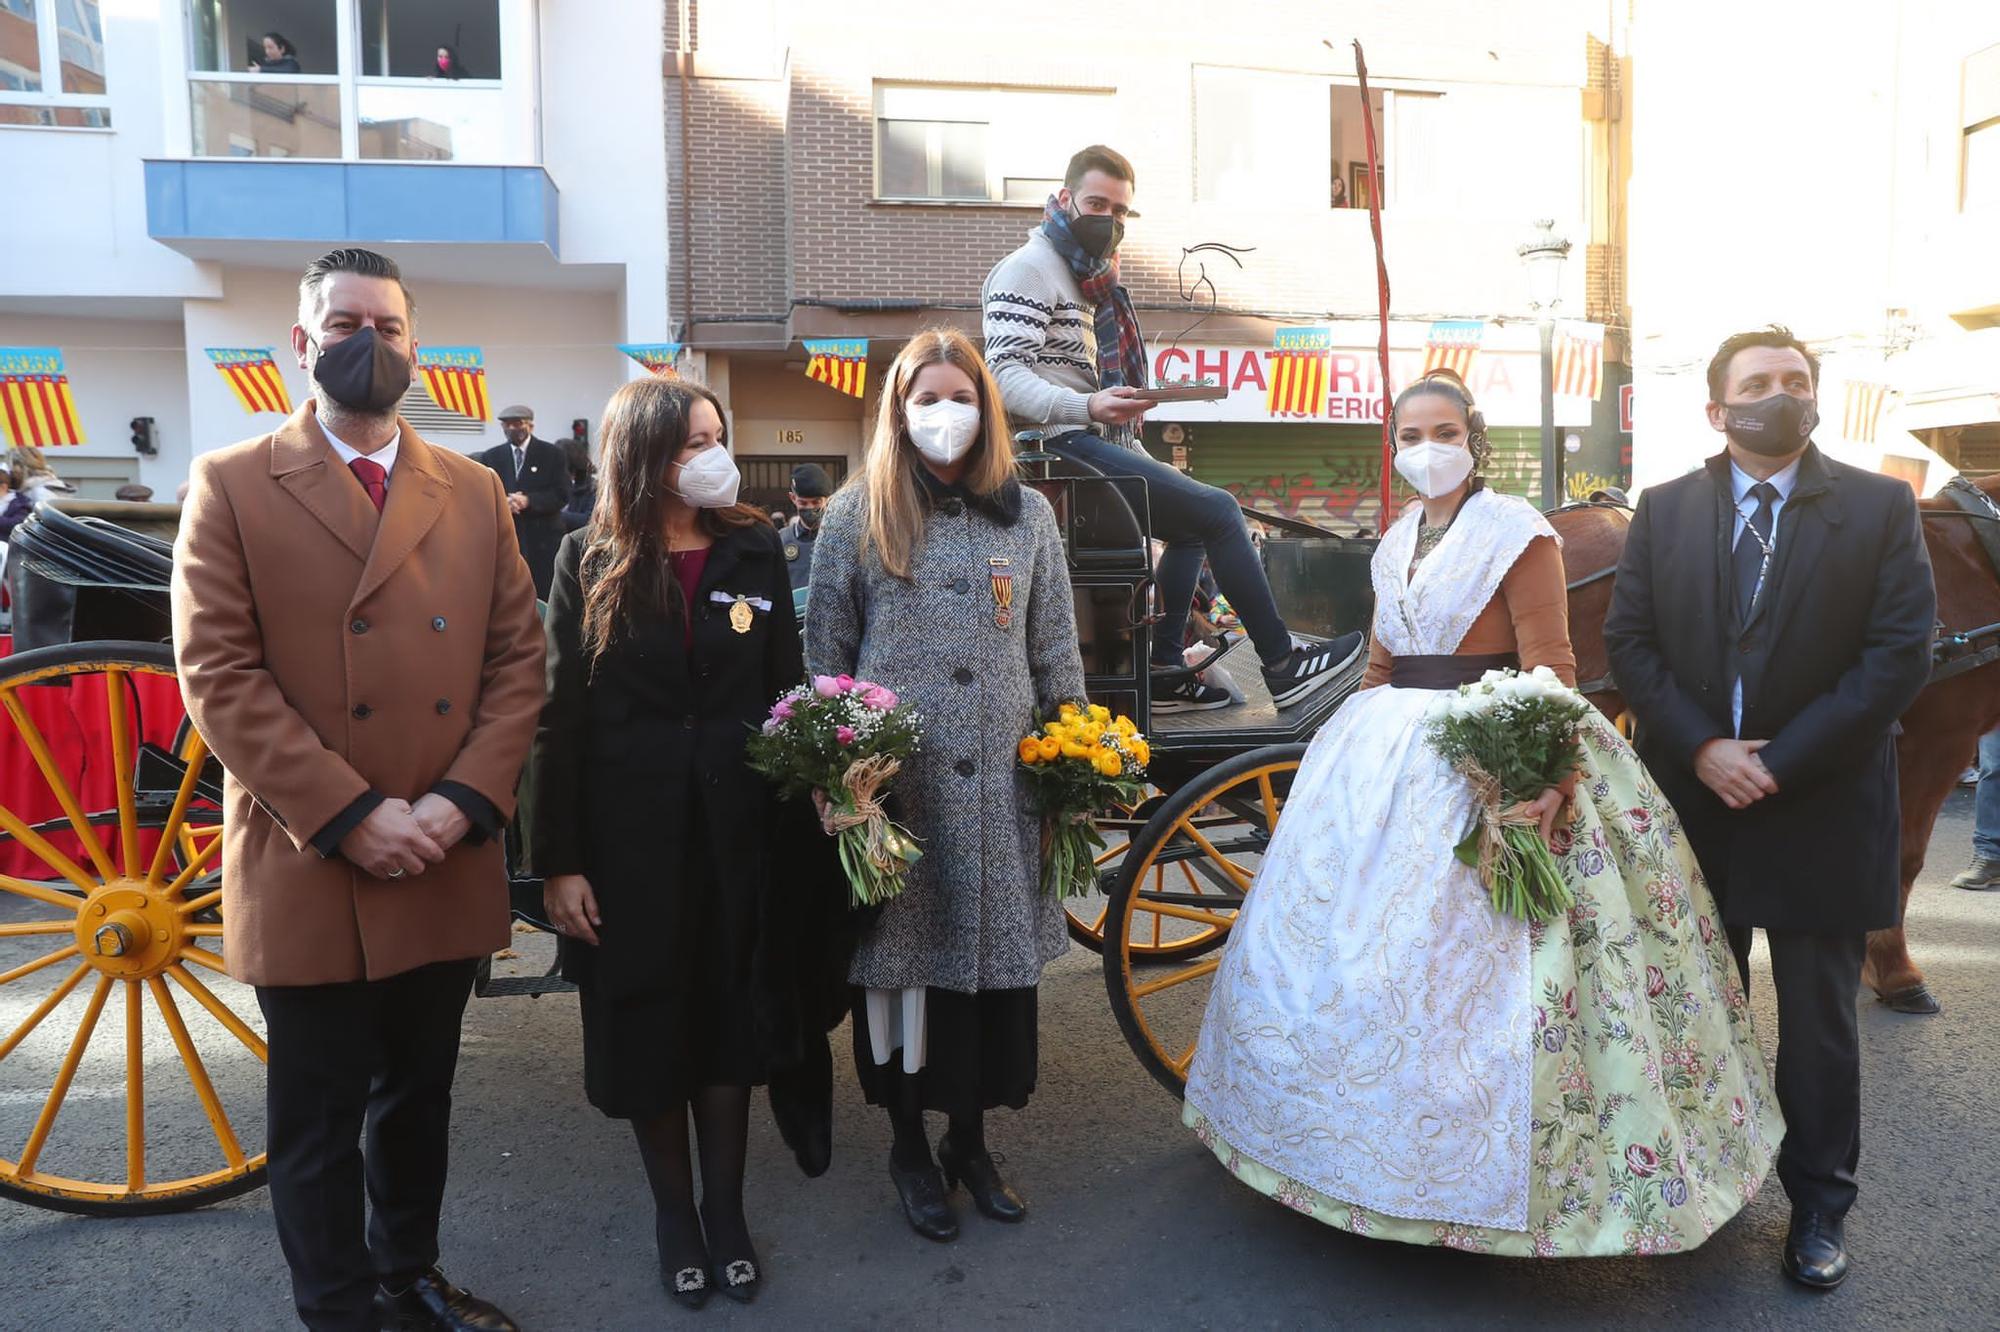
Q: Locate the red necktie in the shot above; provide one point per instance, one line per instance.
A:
(374, 479)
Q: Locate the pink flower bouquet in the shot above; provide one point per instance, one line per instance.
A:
(842, 740)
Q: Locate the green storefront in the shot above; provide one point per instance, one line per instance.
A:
(1325, 474)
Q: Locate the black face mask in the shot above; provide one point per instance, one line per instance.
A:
(1100, 234)
(362, 372)
(809, 519)
(1773, 426)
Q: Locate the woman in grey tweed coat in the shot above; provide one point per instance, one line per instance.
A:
(940, 576)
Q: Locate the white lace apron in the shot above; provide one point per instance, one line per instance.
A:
(1369, 1031)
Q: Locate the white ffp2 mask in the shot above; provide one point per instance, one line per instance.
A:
(943, 430)
(709, 480)
(1434, 469)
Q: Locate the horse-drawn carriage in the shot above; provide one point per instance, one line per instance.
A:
(110, 837)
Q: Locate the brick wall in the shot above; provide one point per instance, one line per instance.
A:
(783, 168)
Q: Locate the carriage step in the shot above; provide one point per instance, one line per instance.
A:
(531, 986)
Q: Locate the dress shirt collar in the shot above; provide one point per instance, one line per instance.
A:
(385, 456)
(1740, 481)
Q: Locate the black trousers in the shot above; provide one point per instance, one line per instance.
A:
(1816, 977)
(374, 1054)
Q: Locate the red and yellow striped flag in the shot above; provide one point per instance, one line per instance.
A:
(1863, 415)
(252, 375)
(1298, 371)
(658, 357)
(456, 379)
(1578, 352)
(840, 363)
(1453, 344)
(35, 402)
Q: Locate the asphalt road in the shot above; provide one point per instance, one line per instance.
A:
(1133, 1223)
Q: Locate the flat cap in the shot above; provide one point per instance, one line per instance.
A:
(516, 413)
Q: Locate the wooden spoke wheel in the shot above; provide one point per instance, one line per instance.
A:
(110, 917)
(1188, 869)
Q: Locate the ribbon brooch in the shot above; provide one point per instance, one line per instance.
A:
(740, 618)
(1002, 577)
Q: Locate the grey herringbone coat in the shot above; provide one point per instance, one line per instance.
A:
(973, 916)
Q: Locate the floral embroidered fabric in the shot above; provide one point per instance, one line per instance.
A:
(1385, 1053)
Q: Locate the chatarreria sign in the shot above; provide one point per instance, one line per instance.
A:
(1505, 382)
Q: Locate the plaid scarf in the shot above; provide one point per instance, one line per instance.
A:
(1121, 353)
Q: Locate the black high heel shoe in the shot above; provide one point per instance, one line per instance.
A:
(922, 1192)
(688, 1283)
(990, 1194)
(740, 1277)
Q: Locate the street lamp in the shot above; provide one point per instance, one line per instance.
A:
(1543, 255)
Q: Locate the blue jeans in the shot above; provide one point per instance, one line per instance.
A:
(1196, 521)
(1986, 801)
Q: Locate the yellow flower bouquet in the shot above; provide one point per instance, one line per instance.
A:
(1078, 765)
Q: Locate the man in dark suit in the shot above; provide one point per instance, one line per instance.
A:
(535, 475)
(1772, 620)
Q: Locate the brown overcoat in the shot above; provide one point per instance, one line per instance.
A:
(326, 650)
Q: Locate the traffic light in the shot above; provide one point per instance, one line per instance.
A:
(579, 430)
(143, 440)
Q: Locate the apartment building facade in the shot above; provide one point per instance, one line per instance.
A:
(164, 197)
(855, 173)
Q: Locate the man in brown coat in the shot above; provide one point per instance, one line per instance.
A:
(357, 643)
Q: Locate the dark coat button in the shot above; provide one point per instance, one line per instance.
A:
(962, 675)
(964, 767)
(437, 623)
(359, 626)
(362, 711)
(960, 586)
(443, 706)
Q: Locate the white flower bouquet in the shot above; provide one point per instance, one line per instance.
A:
(1513, 736)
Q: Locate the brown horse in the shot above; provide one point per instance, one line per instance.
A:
(1940, 731)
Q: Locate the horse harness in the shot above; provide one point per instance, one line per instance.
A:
(1956, 653)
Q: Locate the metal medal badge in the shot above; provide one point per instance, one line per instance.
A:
(1002, 577)
(740, 615)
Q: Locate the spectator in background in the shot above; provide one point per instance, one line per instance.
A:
(449, 66)
(1984, 871)
(810, 487)
(582, 484)
(14, 502)
(280, 56)
(1340, 199)
(536, 476)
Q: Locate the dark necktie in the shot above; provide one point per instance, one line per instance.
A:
(1748, 561)
(374, 479)
(520, 461)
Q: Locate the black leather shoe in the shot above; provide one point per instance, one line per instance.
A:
(433, 1302)
(990, 1193)
(922, 1192)
(1816, 1250)
(739, 1278)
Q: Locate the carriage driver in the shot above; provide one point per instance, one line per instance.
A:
(357, 643)
(1063, 340)
(1771, 621)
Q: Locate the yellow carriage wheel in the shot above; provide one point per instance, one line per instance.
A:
(115, 1005)
(1152, 934)
(1191, 865)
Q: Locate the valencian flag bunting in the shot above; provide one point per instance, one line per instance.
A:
(658, 357)
(1453, 344)
(252, 375)
(840, 363)
(456, 379)
(35, 403)
(1578, 352)
(1863, 415)
(1298, 371)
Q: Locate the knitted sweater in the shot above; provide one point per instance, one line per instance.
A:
(1041, 338)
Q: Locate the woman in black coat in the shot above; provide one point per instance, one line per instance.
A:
(670, 631)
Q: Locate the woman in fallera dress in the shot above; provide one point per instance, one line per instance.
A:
(1385, 1052)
